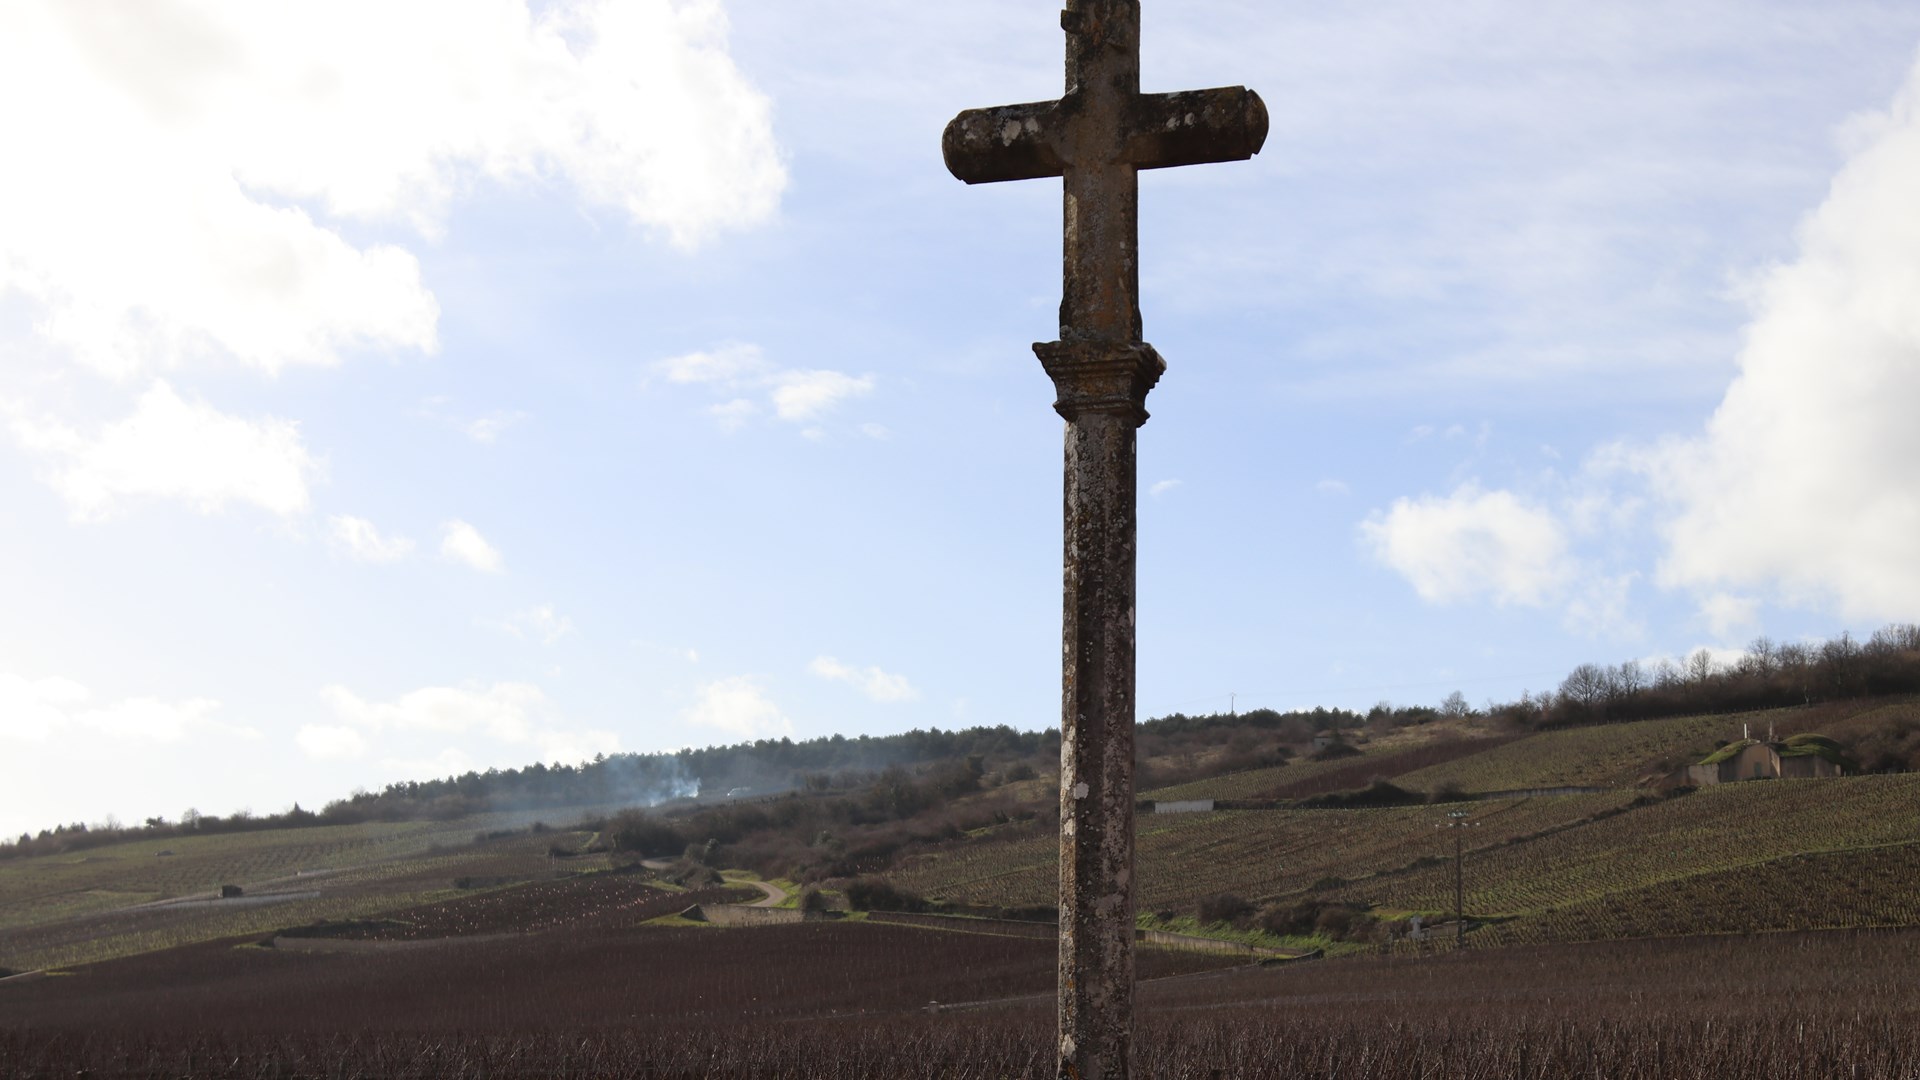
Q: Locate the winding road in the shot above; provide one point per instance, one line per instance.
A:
(775, 895)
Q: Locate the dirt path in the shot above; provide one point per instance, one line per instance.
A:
(774, 894)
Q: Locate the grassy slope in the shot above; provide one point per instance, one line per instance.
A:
(65, 909)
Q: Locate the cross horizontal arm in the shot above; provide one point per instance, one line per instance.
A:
(1007, 142)
(1024, 142)
(1196, 127)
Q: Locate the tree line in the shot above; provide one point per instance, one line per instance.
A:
(1767, 675)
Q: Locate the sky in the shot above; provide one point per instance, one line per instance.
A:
(394, 389)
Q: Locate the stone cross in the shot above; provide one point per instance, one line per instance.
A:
(1098, 136)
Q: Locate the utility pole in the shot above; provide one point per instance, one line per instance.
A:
(1457, 820)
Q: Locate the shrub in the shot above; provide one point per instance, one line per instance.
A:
(643, 834)
(1333, 750)
(1290, 920)
(812, 899)
(1223, 908)
(1378, 793)
(879, 894)
(1340, 922)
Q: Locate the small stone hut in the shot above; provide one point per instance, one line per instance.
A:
(1797, 757)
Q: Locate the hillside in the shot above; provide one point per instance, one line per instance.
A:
(1617, 859)
(1624, 860)
(139, 896)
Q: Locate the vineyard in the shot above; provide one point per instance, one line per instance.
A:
(1775, 855)
(1389, 758)
(1618, 755)
(1872, 887)
(597, 901)
(1724, 831)
(687, 1003)
(37, 889)
(128, 898)
(483, 947)
(1261, 854)
(1613, 755)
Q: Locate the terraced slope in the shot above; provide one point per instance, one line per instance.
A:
(1299, 779)
(1716, 858)
(1260, 854)
(1867, 887)
(1611, 755)
(56, 886)
(1770, 855)
(123, 899)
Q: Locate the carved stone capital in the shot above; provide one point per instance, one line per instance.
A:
(1101, 376)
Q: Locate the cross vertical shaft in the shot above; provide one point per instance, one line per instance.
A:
(1101, 267)
(1097, 137)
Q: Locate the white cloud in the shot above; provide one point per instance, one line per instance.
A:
(487, 429)
(738, 707)
(331, 742)
(449, 761)
(463, 543)
(576, 746)
(156, 199)
(516, 716)
(1804, 482)
(876, 431)
(36, 711)
(1599, 606)
(1331, 486)
(803, 395)
(794, 395)
(32, 710)
(1728, 616)
(358, 538)
(732, 364)
(1162, 487)
(733, 415)
(1470, 543)
(541, 623)
(871, 681)
(174, 448)
(507, 712)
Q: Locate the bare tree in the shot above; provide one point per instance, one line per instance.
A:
(1700, 666)
(1840, 661)
(1585, 687)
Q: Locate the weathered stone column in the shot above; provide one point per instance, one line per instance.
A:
(1096, 137)
(1102, 389)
